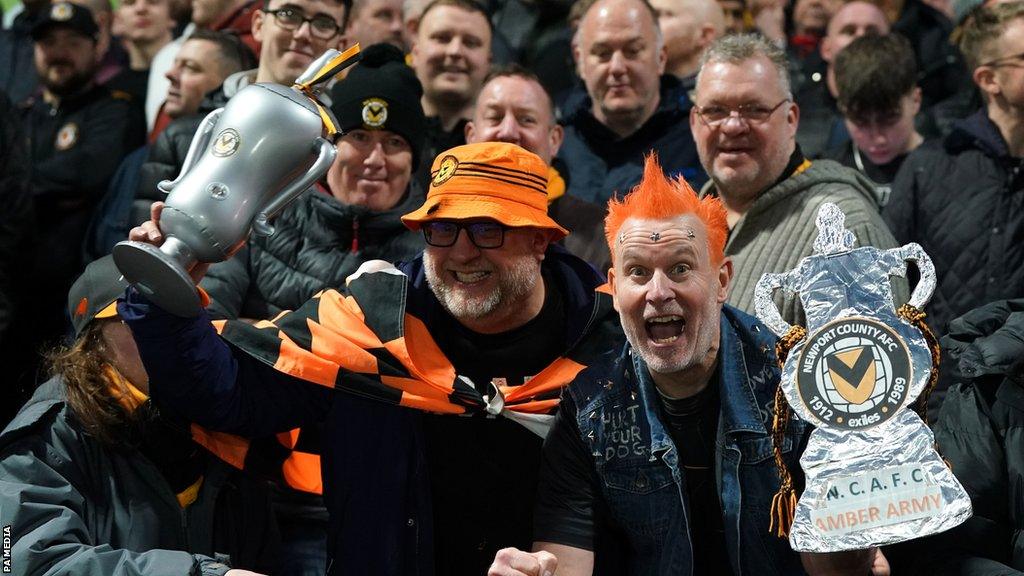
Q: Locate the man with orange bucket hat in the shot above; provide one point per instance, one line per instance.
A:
(477, 336)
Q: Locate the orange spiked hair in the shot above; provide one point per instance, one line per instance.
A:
(657, 197)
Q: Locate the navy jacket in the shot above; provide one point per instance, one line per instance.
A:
(602, 165)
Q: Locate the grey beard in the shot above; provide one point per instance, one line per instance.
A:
(520, 281)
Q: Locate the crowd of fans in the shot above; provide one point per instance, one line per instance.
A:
(907, 114)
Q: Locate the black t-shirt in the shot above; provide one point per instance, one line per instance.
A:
(570, 510)
(483, 470)
(693, 424)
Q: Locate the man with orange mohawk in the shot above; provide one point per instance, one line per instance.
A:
(660, 458)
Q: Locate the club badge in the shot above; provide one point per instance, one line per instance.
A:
(375, 113)
(854, 373)
(61, 12)
(445, 170)
(67, 136)
(226, 143)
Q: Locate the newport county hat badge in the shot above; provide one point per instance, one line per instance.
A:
(375, 112)
(67, 136)
(61, 12)
(872, 476)
(226, 143)
(445, 170)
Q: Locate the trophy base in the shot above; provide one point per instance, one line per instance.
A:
(875, 487)
(159, 277)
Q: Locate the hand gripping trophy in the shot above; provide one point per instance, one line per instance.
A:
(246, 162)
(873, 475)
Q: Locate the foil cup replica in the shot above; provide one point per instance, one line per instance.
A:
(873, 476)
(247, 161)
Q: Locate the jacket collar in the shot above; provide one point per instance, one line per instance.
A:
(977, 131)
(672, 98)
(737, 370)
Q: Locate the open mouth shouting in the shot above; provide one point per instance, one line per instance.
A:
(665, 329)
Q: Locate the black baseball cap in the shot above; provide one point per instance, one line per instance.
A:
(95, 293)
(73, 16)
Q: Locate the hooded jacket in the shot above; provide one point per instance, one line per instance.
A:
(600, 164)
(77, 506)
(962, 200)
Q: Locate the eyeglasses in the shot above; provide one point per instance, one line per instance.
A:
(321, 26)
(482, 234)
(1005, 61)
(750, 113)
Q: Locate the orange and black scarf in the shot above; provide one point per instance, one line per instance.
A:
(374, 343)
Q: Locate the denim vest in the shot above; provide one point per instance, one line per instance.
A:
(641, 480)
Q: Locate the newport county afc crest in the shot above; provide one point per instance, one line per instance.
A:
(854, 373)
(375, 112)
(872, 476)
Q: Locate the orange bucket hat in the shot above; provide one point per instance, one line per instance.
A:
(493, 180)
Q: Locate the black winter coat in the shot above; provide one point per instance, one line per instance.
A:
(941, 70)
(599, 164)
(981, 433)
(963, 202)
(318, 243)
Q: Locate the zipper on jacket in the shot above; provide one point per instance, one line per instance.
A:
(355, 235)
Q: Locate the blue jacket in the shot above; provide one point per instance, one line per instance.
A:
(641, 483)
(602, 165)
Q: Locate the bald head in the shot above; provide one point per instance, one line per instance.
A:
(688, 27)
(851, 21)
(620, 56)
(603, 13)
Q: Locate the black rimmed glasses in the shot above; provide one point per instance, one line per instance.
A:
(714, 115)
(482, 234)
(321, 26)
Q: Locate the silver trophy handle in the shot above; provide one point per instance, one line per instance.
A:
(199, 143)
(261, 225)
(764, 306)
(310, 73)
(926, 285)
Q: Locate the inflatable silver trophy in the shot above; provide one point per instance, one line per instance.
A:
(873, 476)
(246, 162)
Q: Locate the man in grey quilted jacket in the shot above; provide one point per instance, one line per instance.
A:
(744, 123)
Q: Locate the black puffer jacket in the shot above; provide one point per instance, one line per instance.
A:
(981, 433)
(318, 243)
(963, 201)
